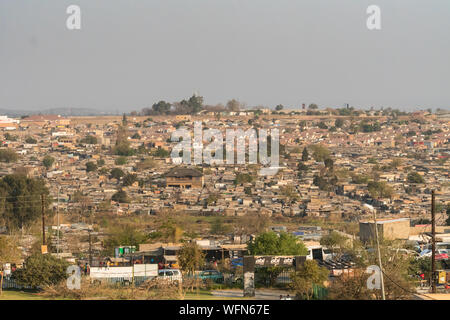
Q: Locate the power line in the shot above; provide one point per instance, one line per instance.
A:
(384, 273)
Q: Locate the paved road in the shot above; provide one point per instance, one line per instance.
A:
(259, 294)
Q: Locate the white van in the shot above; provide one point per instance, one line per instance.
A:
(170, 274)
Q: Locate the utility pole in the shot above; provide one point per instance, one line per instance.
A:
(371, 208)
(433, 244)
(57, 233)
(43, 218)
(379, 255)
(90, 249)
(132, 268)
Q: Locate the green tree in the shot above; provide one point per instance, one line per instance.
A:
(120, 196)
(91, 166)
(309, 275)
(123, 235)
(9, 252)
(448, 214)
(117, 173)
(10, 137)
(190, 257)
(305, 154)
(120, 161)
(320, 152)
(351, 288)
(335, 241)
(161, 153)
(41, 270)
(270, 243)
(30, 140)
(233, 105)
(129, 179)
(243, 178)
(339, 123)
(48, 162)
(20, 200)
(290, 193)
(359, 178)
(414, 177)
(396, 163)
(161, 107)
(8, 155)
(89, 139)
(322, 125)
(279, 107)
(212, 198)
(329, 163)
(379, 189)
(123, 149)
(196, 103)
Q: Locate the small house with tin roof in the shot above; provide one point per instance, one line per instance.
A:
(184, 178)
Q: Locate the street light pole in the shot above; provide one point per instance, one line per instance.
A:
(90, 248)
(378, 249)
(57, 234)
(433, 244)
(43, 218)
(379, 255)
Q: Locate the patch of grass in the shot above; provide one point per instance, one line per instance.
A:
(21, 295)
(207, 295)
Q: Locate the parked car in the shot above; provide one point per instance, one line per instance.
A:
(170, 274)
(213, 275)
(406, 252)
(441, 254)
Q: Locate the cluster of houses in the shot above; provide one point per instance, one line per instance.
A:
(419, 143)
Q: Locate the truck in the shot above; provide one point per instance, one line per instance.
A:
(136, 273)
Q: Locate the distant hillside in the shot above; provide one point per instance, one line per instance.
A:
(61, 111)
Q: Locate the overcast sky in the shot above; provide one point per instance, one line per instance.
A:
(132, 53)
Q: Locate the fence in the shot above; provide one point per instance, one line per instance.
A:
(319, 293)
(138, 280)
(262, 278)
(9, 283)
(284, 279)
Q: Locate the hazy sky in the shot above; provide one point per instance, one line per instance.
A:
(132, 53)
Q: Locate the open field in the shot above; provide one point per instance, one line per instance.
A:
(200, 295)
(21, 295)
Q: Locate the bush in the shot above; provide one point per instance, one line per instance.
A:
(48, 162)
(8, 155)
(121, 161)
(30, 140)
(91, 166)
(41, 270)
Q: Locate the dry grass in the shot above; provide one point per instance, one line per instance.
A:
(150, 290)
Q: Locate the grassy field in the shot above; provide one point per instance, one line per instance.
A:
(20, 295)
(26, 295)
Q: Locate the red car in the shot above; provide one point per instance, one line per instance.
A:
(441, 256)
